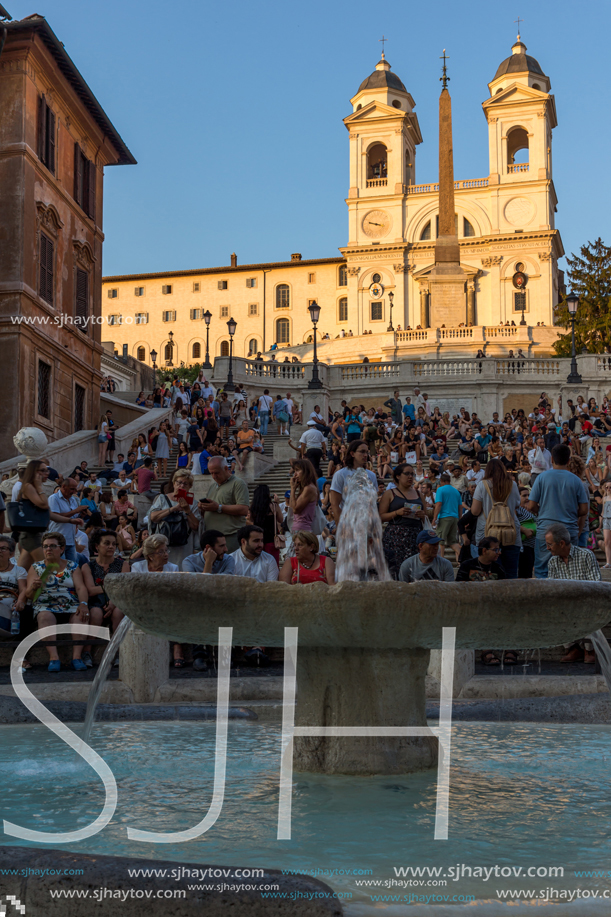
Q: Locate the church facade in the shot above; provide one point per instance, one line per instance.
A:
(377, 299)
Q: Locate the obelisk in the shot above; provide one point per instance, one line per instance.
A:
(447, 279)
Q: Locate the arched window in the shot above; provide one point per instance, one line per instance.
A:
(253, 346)
(517, 146)
(167, 352)
(377, 162)
(224, 348)
(197, 351)
(282, 331)
(343, 310)
(467, 228)
(141, 354)
(426, 232)
(283, 296)
(343, 275)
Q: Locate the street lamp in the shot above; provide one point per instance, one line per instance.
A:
(314, 310)
(207, 316)
(171, 337)
(154, 361)
(572, 303)
(231, 327)
(391, 296)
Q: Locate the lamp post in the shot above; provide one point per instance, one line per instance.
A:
(171, 337)
(207, 316)
(391, 296)
(572, 303)
(154, 362)
(231, 326)
(523, 320)
(314, 310)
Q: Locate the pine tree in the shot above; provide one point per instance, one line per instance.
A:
(590, 277)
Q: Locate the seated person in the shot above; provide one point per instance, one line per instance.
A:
(122, 482)
(485, 566)
(88, 501)
(246, 438)
(426, 564)
(122, 505)
(13, 582)
(213, 557)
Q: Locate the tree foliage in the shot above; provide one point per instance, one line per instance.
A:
(589, 275)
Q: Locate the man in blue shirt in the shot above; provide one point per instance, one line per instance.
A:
(447, 514)
(557, 495)
(409, 410)
(213, 559)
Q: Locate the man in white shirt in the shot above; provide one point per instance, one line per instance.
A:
(265, 406)
(290, 404)
(319, 420)
(418, 399)
(66, 515)
(250, 559)
(476, 473)
(313, 445)
(17, 486)
(541, 464)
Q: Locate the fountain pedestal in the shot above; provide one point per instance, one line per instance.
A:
(143, 664)
(362, 687)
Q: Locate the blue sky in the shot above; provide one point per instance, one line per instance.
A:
(234, 113)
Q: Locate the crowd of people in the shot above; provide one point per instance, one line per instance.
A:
(459, 498)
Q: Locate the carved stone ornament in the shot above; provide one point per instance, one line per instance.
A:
(84, 254)
(545, 256)
(48, 218)
(353, 136)
(492, 260)
(401, 268)
(30, 442)
(354, 271)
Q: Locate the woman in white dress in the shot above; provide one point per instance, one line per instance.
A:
(162, 452)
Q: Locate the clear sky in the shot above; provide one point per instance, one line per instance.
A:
(234, 112)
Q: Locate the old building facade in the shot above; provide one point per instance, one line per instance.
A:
(509, 249)
(55, 141)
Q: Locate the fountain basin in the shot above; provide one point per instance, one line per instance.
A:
(363, 648)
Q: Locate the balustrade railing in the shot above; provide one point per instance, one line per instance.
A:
(420, 335)
(528, 367)
(448, 368)
(461, 184)
(500, 331)
(377, 182)
(274, 370)
(368, 371)
(451, 334)
(517, 167)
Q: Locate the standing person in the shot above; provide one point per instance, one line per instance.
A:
(66, 516)
(394, 404)
(290, 406)
(495, 502)
(426, 564)
(557, 496)
(174, 511)
(265, 406)
(528, 529)
(353, 424)
(447, 514)
(403, 509)
(307, 566)
(281, 415)
(225, 416)
(357, 456)
(606, 523)
(312, 445)
(145, 475)
(265, 512)
(540, 458)
(304, 496)
(164, 444)
(226, 505)
(31, 491)
(102, 440)
(111, 433)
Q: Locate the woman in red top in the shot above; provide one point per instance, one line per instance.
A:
(307, 566)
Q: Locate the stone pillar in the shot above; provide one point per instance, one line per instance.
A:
(424, 306)
(331, 693)
(471, 302)
(464, 670)
(144, 664)
(311, 397)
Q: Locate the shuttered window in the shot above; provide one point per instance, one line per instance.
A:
(79, 408)
(84, 182)
(141, 354)
(81, 307)
(46, 268)
(282, 331)
(283, 296)
(343, 276)
(376, 311)
(222, 284)
(46, 135)
(343, 309)
(197, 351)
(44, 389)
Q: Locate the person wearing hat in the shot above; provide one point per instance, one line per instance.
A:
(426, 564)
(312, 445)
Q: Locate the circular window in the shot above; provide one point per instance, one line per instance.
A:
(396, 103)
(536, 86)
(376, 278)
(519, 267)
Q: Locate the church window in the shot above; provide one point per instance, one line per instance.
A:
(343, 276)
(426, 232)
(377, 162)
(197, 351)
(253, 346)
(536, 86)
(520, 267)
(283, 296)
(519, 301)
(343, 309)
(376, 278)
(377, 311)
(224, 348)
(282, 331)
(141, 354)
(467, 228)
(396, 103)
(517, 147)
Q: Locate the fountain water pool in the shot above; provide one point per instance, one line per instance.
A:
(521, 795)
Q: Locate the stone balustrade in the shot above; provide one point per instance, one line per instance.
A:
(459, 185)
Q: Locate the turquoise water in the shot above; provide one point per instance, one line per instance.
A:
(520, 795)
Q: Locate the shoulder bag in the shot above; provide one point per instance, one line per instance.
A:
(175, 527)
(279, 538)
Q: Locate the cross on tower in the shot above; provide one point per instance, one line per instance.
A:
(518, 20)
(383, 40)
(445, 76)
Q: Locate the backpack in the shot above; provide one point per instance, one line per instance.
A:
(500, 523)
